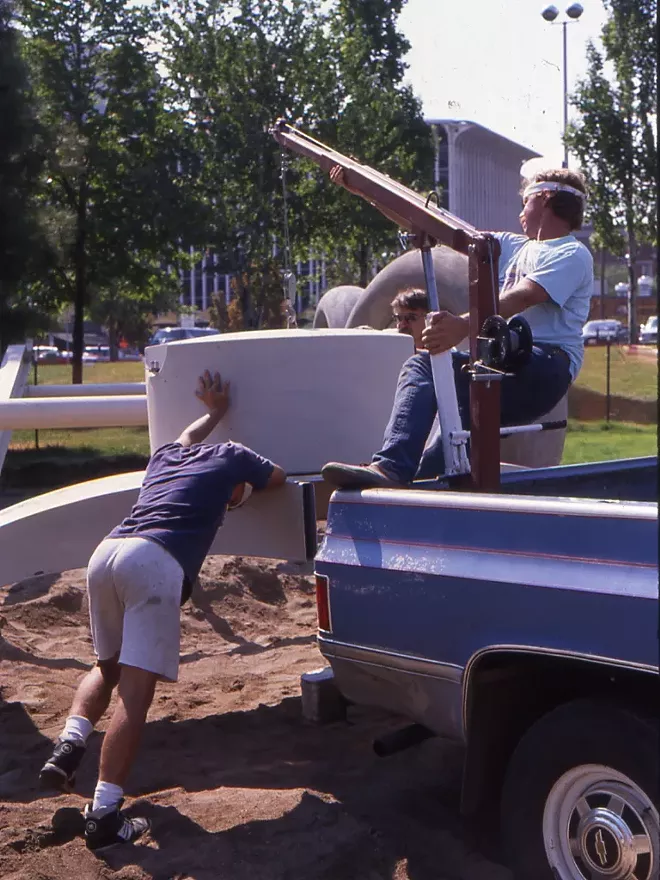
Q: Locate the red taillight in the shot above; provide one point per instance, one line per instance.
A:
(323, 602)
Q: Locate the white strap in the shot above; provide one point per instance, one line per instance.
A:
(552, 186)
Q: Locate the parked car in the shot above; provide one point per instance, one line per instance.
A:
(96, 353)
(648, 333)
(175, 334)
(50, 354)
(603, 331)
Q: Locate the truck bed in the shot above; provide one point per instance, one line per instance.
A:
(422, 583)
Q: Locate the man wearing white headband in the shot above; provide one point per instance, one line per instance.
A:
(136, 580)
(545, 275)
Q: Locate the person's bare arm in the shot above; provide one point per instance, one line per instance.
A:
(277, 478)
(446, 330)
(337, 176)
(525, 294)
(215, 394)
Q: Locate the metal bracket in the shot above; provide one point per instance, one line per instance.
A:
(481, 372)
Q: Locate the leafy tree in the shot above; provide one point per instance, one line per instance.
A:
(614, 137)
(236, 68)
(336, 71)
(117, 160)
(376, 118)
(127, 312)
(23, 243)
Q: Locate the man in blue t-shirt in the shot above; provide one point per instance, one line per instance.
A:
(545, 275)
(136, 580)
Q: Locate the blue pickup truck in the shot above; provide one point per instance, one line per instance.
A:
(514, 612)
(523, 624)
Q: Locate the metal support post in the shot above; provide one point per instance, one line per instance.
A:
(454, 451)
(483, 254)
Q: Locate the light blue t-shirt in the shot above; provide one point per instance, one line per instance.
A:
(564, 268)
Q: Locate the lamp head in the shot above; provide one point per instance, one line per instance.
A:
(550, 13)
(575, 10)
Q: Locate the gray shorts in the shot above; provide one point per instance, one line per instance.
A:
(134, 589)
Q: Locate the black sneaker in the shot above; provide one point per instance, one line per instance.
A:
(59, 771)
(109, 826)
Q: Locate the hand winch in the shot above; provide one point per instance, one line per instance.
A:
(504, 346)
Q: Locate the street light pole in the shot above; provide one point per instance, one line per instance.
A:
(550, 13)
(565, 162)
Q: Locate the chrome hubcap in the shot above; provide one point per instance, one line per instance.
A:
(599, 825)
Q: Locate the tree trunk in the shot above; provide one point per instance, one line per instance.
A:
(80, 270)
(112, 340)
(602, 282)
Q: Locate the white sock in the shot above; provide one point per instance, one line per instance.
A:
(106, 794)
(77, 728)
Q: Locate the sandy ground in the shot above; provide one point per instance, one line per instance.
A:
(237, 784)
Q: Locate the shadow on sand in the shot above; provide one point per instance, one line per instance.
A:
(365, 815)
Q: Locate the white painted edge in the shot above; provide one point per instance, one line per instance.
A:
(14, 371)
(70, 494)
(639, 510)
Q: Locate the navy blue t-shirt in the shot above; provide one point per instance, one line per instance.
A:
(184, 496)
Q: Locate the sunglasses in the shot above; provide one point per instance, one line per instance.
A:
(408, 318)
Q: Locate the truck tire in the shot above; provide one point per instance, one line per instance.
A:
(581, 794)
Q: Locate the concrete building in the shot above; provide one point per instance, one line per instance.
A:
(478, 173)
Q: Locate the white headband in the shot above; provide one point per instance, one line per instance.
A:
(552, 186)
(247, 491)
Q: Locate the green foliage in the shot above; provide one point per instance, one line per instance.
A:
(156, 139)
(23, 243)
(614, 137)
(119, 192)
(333, 69)
(126, 310)
(235, 69)
(376, 118)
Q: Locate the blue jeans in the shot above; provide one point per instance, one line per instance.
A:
(525, 396)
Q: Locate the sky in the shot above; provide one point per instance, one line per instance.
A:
(498, 64)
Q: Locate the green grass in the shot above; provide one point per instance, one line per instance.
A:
(92, 442)
(60, 374)
(602, 441)
(631, 375)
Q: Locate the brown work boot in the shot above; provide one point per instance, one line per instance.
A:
(358, 476)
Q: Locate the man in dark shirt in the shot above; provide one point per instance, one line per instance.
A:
(136, 580)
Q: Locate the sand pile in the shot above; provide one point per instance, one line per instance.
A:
(238, 786)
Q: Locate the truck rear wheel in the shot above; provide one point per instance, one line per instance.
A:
(580, 797)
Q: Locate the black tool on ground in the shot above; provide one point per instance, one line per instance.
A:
(504, 346)
(398, 740)
(67, 823)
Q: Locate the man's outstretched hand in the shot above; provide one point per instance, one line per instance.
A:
(337, 176)
(213, 392)
(443, 331)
